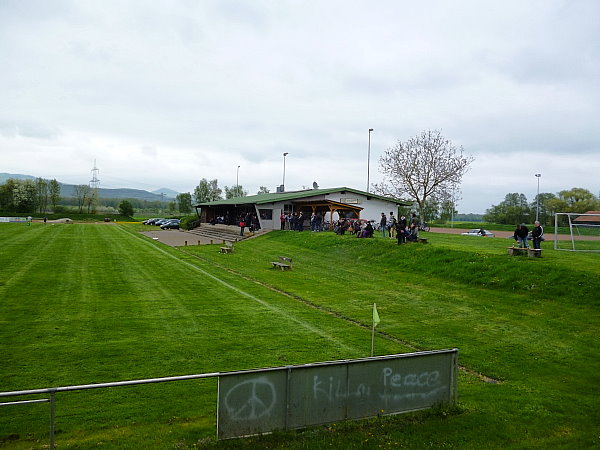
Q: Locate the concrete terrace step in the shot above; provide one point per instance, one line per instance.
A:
(223, 232)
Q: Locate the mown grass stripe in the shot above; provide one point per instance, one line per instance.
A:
(248, 295)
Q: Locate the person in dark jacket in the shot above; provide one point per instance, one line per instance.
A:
(521, 235)
(383, 224)
(401, 231)
(537, 235)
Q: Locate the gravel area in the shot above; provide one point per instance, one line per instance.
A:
(177, 238)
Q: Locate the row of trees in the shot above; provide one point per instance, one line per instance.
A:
(516, 209)
(209, 191)
(37, 195)
(41, 195)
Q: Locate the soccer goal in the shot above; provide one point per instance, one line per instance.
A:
(577, 232)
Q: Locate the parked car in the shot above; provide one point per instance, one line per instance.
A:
(172, 224)
(159, 222)
(153, 221)
(478, 232)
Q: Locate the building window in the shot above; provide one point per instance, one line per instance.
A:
(266, 214)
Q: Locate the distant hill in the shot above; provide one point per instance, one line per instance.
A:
(16, 176)
(169, 193)
(66, 190)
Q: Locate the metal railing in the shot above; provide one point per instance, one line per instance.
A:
(51, 392)
(432, 377)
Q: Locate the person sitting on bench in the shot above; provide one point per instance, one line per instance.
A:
(413, 233)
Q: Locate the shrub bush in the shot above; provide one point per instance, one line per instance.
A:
(189, 222)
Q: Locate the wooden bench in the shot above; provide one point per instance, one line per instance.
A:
(534, 252)
(516, 251)
(228, 248)
(284, 263)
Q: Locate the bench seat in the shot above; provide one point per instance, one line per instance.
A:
(284, 263)
(227, 248)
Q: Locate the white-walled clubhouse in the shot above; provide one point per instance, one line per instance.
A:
(330, 203)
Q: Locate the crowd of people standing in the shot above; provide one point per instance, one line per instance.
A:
(402, 229)
(250, 221)
(295, 221)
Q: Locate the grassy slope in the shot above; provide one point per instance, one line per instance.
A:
(99, 304)
(531, 323)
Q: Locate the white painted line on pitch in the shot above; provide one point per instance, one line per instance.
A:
(256, 299)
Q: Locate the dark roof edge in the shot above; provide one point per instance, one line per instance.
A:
(291, 195)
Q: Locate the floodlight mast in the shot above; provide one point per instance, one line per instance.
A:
(369, 159)
(537, 199)
(283, 181)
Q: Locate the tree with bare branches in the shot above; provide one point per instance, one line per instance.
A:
(425, 167)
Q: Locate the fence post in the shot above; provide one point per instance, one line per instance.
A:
(52, 394)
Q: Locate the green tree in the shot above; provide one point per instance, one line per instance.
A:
(125, 208)
(545, 204)
(25, 196)
(81, 193)
(184, 202)
(7, 195)
(430, 211)
(578, 200)
(207, 191)
(424, 167)
(42, 194)
(263, 190)
(235, 191)
(54, 190)
(513, 210)
(447, 211)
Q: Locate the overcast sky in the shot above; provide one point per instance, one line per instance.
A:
(164, 93)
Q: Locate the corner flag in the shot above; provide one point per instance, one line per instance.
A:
(375, 322)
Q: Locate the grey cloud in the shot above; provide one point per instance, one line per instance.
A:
(243, 13)
(29, 130)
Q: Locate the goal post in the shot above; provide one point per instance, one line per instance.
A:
(577, 232)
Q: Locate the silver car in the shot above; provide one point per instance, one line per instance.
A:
(478, 232)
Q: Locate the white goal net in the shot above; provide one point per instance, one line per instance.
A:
(577, 232)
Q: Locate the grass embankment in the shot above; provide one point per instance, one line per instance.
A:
(87, 304)
(75, 216)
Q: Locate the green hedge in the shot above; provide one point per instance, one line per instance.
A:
(189, 222)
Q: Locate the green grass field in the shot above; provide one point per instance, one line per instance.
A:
(93, 303)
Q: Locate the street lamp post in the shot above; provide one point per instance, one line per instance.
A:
(283, 182)
(369, 159)
(237, 180)
(537, 199)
